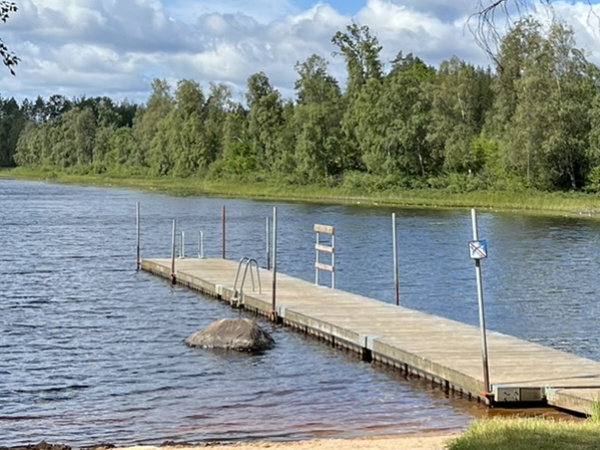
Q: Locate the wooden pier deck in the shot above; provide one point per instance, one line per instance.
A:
(440, 349)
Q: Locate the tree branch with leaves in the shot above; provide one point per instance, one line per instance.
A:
(9, 59)
(484, 23)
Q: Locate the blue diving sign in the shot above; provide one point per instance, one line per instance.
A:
(478, 249)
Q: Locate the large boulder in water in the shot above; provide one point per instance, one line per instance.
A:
(232, 334)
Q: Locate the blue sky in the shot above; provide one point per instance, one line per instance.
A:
(349, 7)
(116, 47)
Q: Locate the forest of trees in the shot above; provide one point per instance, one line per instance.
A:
(533, 121)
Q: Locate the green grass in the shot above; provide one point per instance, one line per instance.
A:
(528, 434)
(526, 200)
(595, 412)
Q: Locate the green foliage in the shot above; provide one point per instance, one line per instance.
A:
(147, 124)
(241, 163)
(545, 93)
(12, 122)
(458, 183)
(120, 149)
(361, 51)
(371, 184)
(264, 120)
(316, 122)
(406, 109)
(456, 116)
(593, 180)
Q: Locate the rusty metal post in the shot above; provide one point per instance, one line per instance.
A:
(395, 251)
(223, 240)
(173, 241)
(268, 249)
(137, 236)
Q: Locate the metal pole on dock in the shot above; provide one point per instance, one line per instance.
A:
(201, 244)
(395, 251)
(267, 240)
(274, 291)
(478, 252)
(317, 243)
(223, 231)
(173, 241)
(137, 235)
(182, 245)
(333, 261)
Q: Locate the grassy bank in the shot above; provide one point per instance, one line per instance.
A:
(527, 200)
(528, 434)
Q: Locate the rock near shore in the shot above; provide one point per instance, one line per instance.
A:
(241, 335)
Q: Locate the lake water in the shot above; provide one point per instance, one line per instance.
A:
(91, 351)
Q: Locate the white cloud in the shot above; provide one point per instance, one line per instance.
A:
(403, 28)
(445, 10)
(263, 11)
(224, 62)
(585, 23)
(115, 47)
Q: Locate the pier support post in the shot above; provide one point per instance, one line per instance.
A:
(268, 249)
(182, 246)
(223, 240)
(201, 244)
(173, 241)
(274, 290)
(333, 261)
(137, 236)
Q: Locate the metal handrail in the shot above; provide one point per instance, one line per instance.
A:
(248, 263)
(243, 260)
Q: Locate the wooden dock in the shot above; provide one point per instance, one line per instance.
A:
(440, 349)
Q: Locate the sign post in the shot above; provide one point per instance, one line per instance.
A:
(478, 251)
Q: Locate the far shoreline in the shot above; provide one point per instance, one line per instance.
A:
(523, 202)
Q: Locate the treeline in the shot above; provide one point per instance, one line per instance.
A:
(534, 122)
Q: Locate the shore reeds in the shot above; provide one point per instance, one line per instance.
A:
(566, 204)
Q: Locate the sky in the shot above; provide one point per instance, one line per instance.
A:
(115, 48)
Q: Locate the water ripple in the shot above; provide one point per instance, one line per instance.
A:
(92, 350)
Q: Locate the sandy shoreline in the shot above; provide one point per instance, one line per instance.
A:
(410, 442)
